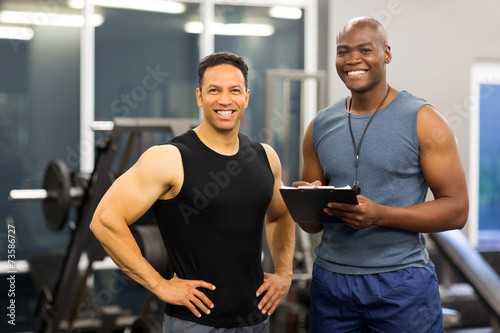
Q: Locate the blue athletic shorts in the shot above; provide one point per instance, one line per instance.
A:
(404, 301)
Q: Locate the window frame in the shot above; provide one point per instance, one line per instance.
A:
(482, 72)
(207, 10)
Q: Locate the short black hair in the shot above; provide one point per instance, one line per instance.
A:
(221, 58)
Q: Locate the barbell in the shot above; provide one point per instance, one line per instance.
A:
(57, 195)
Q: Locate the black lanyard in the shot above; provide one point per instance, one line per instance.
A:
(357, 149)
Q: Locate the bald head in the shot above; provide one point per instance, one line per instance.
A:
(363, 23)
(362, 55)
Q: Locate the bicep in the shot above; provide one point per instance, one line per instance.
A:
(439, 156)
(277, 206)
(134, 192)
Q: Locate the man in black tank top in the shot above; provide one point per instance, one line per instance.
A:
(211, 190)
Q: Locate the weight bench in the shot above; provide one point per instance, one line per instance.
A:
(456, 248)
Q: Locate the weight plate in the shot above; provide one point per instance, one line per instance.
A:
(57, 183)
(150, 243)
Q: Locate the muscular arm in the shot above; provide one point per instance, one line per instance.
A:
(312, 172)
(443, 171)
(280, 232)
(129, 197)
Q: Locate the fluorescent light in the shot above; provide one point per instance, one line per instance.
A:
(77, 4)
(193, 27)
(160, 6)
(19, 33)
(45, 18)
(243, 29)
(291, 13)
(232, 29)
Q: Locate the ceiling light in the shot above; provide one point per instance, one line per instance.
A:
(243, 29)
(19, 33)
(170, 7)
(291, 13)
(232, 29)
(193, 27)
(45, 18)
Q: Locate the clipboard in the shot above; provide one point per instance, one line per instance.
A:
(306, 203)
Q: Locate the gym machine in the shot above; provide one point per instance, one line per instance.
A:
(62, 281)
(460, 255)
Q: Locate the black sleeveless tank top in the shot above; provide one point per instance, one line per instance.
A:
(212, 229)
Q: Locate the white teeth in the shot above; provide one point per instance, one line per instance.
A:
(355, 73)
(225, 113)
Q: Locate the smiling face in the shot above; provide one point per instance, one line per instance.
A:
(362, 55)
(223, 97)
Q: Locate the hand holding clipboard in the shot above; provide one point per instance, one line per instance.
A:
(306, 203)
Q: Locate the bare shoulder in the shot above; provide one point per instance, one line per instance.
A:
(157, 172)
(432, 127)
(271, 154)
(273, 158)
(161, 153)
(162, 163)
(429, 118)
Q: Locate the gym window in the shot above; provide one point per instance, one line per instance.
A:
(485, 156)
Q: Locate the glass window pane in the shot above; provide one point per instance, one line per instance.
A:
(39, 121)
(489, 160)
(273, 43)
(283, 48)
(145, 64)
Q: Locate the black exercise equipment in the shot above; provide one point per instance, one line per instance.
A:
(150, 242)
(468, 261)
(61, 296)
(58, 194)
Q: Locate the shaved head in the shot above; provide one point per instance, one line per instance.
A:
(365, 22)
(362, 55)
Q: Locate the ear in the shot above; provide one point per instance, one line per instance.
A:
(248, 98)
(198, 98)
(387, 54)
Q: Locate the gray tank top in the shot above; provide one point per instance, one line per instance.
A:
(389, 173)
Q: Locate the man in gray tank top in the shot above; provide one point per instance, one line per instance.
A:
(372, 271)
